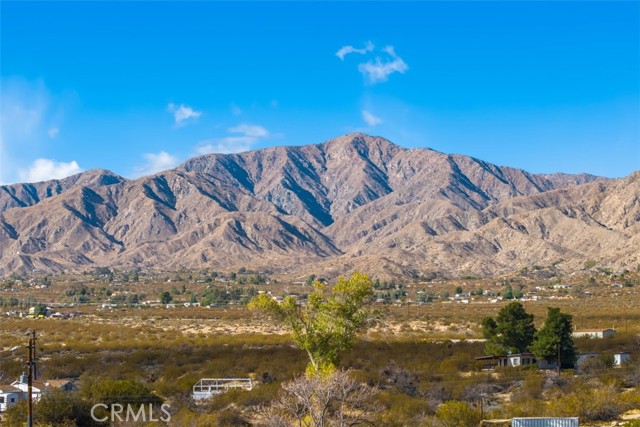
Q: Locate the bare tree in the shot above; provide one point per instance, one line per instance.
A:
(335, 400)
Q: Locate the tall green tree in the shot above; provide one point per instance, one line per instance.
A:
(556, 336)
(166, 297)
(330, 321)
(512, 331)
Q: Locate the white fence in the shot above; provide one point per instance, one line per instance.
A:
(545, 422)
(207, 387)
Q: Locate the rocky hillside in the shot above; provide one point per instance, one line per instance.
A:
(354, 202)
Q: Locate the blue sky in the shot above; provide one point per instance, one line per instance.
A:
(139, 87)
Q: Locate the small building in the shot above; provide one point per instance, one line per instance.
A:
(620, 358)
(38, 388)
(64, 385)
(519, 359)
(583, 357)
(9, 396)
(594, 333)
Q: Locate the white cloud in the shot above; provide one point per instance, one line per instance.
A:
(345, 50)
(156, 162)
(182, 113)
(227, 145)
(370, 119)
(53, 132)
(379, 70)
(46, 169)
(250, 130)
(250, 135)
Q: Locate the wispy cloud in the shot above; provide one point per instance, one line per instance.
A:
(345, 50)
(370, 119)
(183, 113)
(249, 135)
(379, 70)
(226, 145)
(46, 169)
(155, 162)
(53, 132)
(250, 130)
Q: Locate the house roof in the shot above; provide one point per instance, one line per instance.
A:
(6, 388)
(504, 355)
(594, 330)
(57, 383)
(39, 385)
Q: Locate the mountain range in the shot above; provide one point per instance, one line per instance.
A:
(356, 202)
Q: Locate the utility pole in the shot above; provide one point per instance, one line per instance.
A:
(31, 373)
(558, 361)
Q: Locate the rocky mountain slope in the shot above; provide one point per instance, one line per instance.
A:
(354, 202)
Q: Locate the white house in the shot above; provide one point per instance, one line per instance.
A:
(594, 333)
(519, 359)
(9, 396)
(38, 388)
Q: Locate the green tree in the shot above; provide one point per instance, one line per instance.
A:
(508, 293)
(40, 310)
(512, 330)
(166, 297)
(556, 336)
(330, 321)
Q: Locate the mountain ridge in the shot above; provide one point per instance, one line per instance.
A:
(353, 202)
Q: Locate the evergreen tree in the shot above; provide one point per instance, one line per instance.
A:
(165, 297)
(556, 336)
(511, 332)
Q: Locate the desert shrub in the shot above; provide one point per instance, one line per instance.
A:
(596, 365)
(457, 414)
(435, 394)
(109, 391)
(55, 409)
(531, 388)
(590, 404)
(475, 392)
(231, 418)
(401, 410)
(523, 407)
(631, 399)
(331, 399)
(460, 361)
(406, 382)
